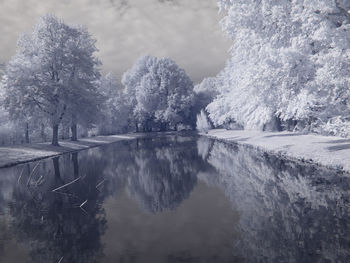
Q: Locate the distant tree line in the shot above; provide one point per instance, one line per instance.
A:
(53, 82)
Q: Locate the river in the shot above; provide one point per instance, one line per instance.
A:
(175, 198)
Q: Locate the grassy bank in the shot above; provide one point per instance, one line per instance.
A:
(17, 154)
(329, 151)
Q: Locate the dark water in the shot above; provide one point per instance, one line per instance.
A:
(173, 199)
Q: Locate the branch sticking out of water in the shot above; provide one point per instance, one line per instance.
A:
(31, 174)
(83, 203)
(60, 260)
(63, 186)
(20, 176)
(39, 181)
(100, 183)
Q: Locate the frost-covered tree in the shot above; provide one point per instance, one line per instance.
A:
(116, 109)
(9, 132)
(53, 72)
(289, 61)
(4, 119)
(16, 125)
(15, 116)
(3, 80)
(160, 93)
(206, 91)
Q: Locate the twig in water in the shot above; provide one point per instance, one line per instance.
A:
(63, 186)
(31, 174)
(100, 183)
(20, 176)
(39, 181)
(81, 206)
(60, 260)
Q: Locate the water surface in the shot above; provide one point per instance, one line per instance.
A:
(173, 199)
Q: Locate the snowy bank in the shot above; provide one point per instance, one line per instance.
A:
(17, 154)
(329, 151)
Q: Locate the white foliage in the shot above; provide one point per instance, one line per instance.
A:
(159, 92)
(52, 74)
(337, 126)
(115, 109)
(202, 123)
(289, 59)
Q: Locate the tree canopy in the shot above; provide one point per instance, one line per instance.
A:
(160, 93)
(289, 61)
(53, 73)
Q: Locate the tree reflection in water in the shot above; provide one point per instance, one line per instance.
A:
(165, 175)
(289, 212)
(53, 222)
(70, 221)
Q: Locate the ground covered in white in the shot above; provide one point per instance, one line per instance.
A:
(17, 154)
(329, 151)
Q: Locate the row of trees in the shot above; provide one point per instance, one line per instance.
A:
(289, 66)
(54, 80)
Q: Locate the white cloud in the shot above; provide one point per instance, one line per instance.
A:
(185, 30)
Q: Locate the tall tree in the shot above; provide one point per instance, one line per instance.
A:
(53, 73)
(161, 93)
(116, 109)
(289, 61)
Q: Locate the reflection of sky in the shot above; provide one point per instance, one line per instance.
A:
(186, 30)
(201, 229)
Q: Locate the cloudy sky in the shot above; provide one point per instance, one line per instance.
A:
(187, 31)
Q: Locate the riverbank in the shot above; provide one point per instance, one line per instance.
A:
(17, 154)
(329, 151)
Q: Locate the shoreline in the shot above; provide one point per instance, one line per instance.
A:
(18, 154)
(328, 151)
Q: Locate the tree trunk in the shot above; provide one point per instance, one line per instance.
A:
(55, 135)
(66, 131)
(163, 126)
(74, 128)
(136, 127)
(42, 132)
(55, 127)
(27, 133)
(74, 132)
(63, 134)
(148, 126)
